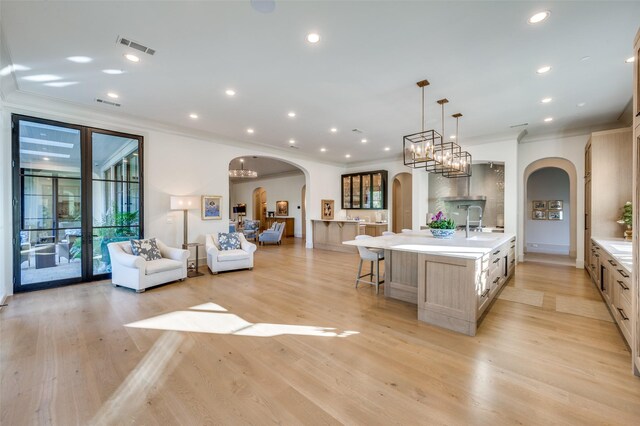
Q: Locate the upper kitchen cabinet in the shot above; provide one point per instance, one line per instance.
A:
(365, 190)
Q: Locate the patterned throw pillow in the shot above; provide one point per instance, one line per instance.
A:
(146, 249)
(228, 241)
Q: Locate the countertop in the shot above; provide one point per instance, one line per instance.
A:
(351, 221)
(423, 242)
(619, 249)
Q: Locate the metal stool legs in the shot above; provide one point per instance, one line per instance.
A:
(374, 274)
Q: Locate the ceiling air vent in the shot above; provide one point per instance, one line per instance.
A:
(135, 45)
(102, 101)
(519, 125)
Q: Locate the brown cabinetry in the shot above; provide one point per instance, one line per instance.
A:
(607, 186)
(289, 225)
(364, 190)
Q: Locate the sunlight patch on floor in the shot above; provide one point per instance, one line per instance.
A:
(198, 321)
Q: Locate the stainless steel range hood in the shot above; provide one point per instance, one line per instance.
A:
(465, 198)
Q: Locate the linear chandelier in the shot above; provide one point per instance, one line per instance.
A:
(242, 172)
(427, 149)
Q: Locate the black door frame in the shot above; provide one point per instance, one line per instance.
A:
(86, 200)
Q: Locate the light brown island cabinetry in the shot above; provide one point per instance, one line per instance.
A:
(452, 282)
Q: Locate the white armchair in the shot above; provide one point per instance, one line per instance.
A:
(228, 260)
(134, 272)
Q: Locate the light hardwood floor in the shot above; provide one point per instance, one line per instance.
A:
(68, 356)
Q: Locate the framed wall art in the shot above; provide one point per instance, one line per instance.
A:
(282, 208)
(539, 205)
(555, 214)
(555, 204)
(211, 207)
(539, 215)
(327, 209)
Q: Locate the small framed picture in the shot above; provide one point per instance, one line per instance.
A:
(555, 205)
(327, 209)
(555, 215)
(539, 205)
(271, 214)
(211, 207)
(539, 215)
(282, 208)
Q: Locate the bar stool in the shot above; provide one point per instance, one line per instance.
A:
(385, 233)
(370, 255)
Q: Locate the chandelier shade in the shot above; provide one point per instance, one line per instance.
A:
(242, 172)
(460, 166)
(419, 148)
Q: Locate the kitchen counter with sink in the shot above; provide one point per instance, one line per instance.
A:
(452, 281)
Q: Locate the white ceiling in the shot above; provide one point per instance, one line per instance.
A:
(482, 56)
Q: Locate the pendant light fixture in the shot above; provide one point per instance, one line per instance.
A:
(242, 172)
(418, 148)
(446, 153)
(461, 166)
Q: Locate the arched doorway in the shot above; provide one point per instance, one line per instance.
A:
(402, 202)
(259, 205)
(550, 211)
(273, 193)
(303, 198)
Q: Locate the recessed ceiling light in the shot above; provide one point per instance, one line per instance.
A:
(132, 58)
(333, 130)
(386, 148)
(193, 115)
(452, 136)
(323, 149)
(544, 69)
(61, 83)
(250, 130)
(630, 60)
(230, 92)
(292, 114)
(45, 158)
(348, 156)
(41, 78)
(80, 59)
(546, 100)
(313, 37)
(585, 58)
(581, 104)
(539, 17)
(363, 140)
(113, 95)
(113, 71)
(548, 119)
(292, 141)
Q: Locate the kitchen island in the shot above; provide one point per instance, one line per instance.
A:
(452, 282)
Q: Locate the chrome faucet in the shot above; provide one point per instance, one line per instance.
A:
(466, 226)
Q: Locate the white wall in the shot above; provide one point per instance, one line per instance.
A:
(6, 283)
(285, 188)
(176, 163)
(506, 152)
(569, 148)
(548, 236)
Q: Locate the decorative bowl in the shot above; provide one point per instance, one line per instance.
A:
(443, 233)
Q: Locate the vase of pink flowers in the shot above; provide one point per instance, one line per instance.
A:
(441, 227)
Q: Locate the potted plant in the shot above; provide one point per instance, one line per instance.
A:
(627, 219)
(441, 227)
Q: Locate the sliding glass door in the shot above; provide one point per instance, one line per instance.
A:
(115, 187)
(75, 189)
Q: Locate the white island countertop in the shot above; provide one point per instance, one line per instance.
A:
(619, 249)
(477, 245)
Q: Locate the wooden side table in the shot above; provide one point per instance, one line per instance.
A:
(193, 273)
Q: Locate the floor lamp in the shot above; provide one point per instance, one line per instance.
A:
(185, 203)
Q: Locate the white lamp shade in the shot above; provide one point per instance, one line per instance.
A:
(185, 202)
